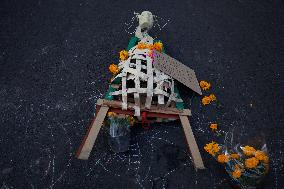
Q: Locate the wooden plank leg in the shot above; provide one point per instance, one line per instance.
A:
(91, 136)
(193, 148)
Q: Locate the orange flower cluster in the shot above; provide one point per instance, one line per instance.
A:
(213, 126)
(158, 46)
(123, 55)
(258, 154)
(261, 156)
(212, 148)
(113, 69)
(208, 99)
(204, 85)
(223, 158)
(111, 114)
(248, 150)
(251, 162)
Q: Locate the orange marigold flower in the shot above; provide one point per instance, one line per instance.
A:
(261, 156)
(237, 173)
(142, 46)
(123, 55)
(212, 148)
(131, 120)
(204, 85)
(206, 100)
(111, 114)
(212, 97)
(235, 156)
(113, 69)
(248, 150)
(251, 162)
(151, 47)
(222, 158)
(213, 126)
(158, 46)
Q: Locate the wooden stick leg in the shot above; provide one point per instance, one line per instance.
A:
(193, 148)
(91, 136)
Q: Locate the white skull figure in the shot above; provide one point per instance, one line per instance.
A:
(146, 22)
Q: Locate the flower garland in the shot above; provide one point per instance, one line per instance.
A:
(158, 46)
(123, 54)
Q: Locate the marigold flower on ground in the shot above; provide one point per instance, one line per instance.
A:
(123, 55)
(212, 97)
(212, 148)
(261, 156)
(111, 114)
(206, 100)
(204, 85)
(251, 162)
(213, 126)
(248, 150)
(235, 156)
(222, 158)
(113, 69)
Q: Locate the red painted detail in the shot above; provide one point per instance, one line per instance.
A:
(120, 111)
(149, 114)
(145, 121)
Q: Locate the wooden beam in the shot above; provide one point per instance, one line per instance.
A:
(163, 110)
(149, 114)
(193, 148)
(91, 136)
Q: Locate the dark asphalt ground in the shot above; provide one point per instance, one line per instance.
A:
(54, 57)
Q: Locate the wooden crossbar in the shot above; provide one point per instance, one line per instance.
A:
(163, 110)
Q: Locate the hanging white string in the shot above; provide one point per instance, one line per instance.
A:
(131, 25)
(160, 22)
